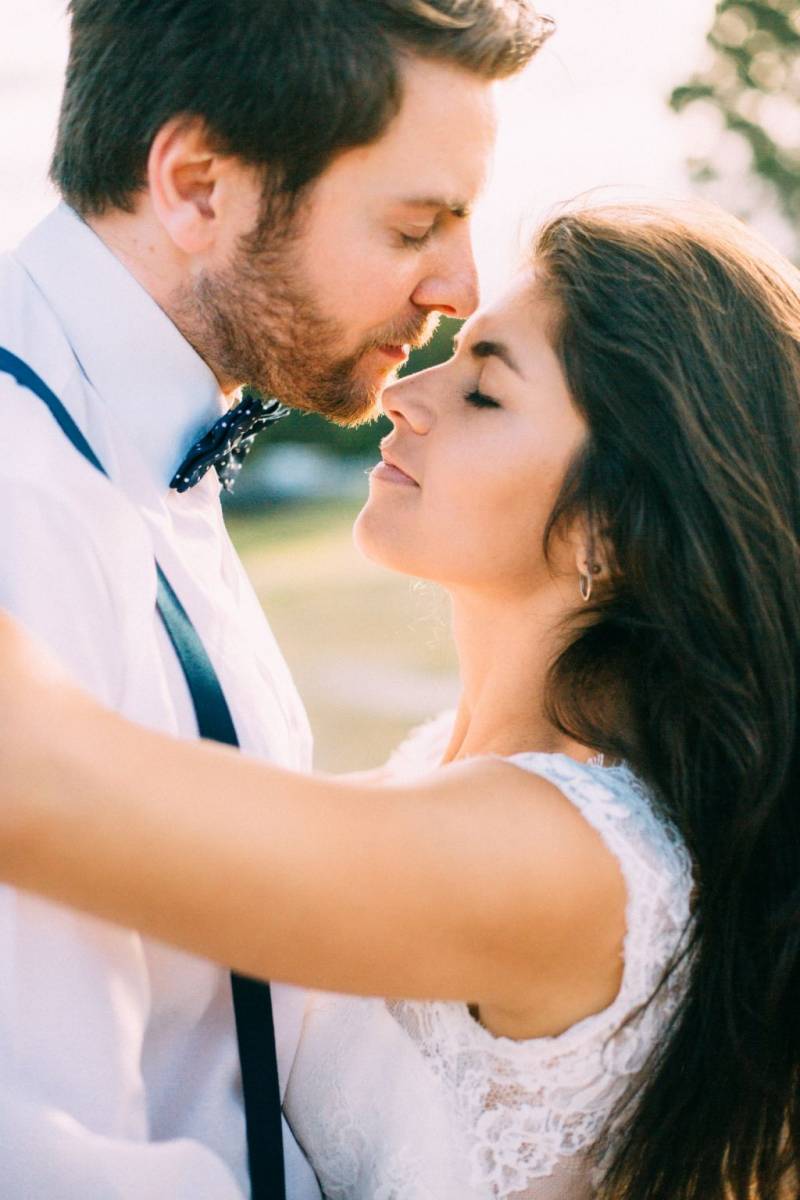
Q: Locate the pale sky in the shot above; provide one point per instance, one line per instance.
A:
(590, 113)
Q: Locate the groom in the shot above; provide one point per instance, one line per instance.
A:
(275, 194)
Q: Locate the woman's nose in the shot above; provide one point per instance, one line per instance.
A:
(404, 402)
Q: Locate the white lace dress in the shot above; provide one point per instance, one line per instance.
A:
(408, 1100)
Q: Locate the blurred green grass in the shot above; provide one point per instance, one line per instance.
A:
(370, 650)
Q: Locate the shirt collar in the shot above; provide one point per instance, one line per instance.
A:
(154, 383)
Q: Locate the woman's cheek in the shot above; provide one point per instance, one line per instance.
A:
(479, 506)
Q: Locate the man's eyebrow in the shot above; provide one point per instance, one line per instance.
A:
(440, 203)
(489, 349)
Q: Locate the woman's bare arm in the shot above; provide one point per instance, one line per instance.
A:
(480, 882)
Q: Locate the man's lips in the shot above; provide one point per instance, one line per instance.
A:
(398, 354)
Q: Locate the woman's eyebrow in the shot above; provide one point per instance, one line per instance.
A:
(489, 349)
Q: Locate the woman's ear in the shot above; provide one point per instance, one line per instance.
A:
(592, 561)
(590, 557)
(587, 562)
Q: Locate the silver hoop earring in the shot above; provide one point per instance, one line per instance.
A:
(585, 585)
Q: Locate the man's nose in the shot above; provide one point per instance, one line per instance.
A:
(451, 285)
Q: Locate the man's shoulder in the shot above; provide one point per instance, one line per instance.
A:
(44, 480)
(30, 330)
(38, 460)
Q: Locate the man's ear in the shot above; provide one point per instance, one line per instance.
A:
(183, 175)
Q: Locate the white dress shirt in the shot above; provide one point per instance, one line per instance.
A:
(119, 1072)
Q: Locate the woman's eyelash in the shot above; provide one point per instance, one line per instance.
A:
(480, 399)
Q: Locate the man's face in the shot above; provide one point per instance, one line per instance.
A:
(323, 310)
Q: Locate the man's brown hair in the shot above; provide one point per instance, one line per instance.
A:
(284, 85)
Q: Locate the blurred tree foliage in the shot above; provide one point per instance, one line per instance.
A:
(309, 428)
(752, 80)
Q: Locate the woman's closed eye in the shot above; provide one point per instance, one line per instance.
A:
(480, 400)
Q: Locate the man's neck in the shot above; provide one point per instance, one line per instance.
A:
(143, 249)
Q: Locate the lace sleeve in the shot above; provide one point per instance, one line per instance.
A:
(531, 1104)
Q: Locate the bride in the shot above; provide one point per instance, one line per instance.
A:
(580, 894)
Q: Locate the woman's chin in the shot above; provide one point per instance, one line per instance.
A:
(380, 544)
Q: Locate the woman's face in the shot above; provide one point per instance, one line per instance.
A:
(477, 457)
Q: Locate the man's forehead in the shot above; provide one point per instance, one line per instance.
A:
(439, 145)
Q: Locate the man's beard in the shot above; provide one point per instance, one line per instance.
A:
(254, 323)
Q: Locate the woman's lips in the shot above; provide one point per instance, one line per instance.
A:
(389, 473)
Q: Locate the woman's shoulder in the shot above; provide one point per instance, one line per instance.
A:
(657, 871)
(627, 815)
(599, 827)
(590, 816)
(652, 855)
(612, 799)
(560, 1090)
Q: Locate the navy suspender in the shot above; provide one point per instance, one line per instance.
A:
(251, 999)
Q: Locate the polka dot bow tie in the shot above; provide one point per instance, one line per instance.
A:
(227, 443)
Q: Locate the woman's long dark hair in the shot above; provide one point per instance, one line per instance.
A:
(679, 333)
